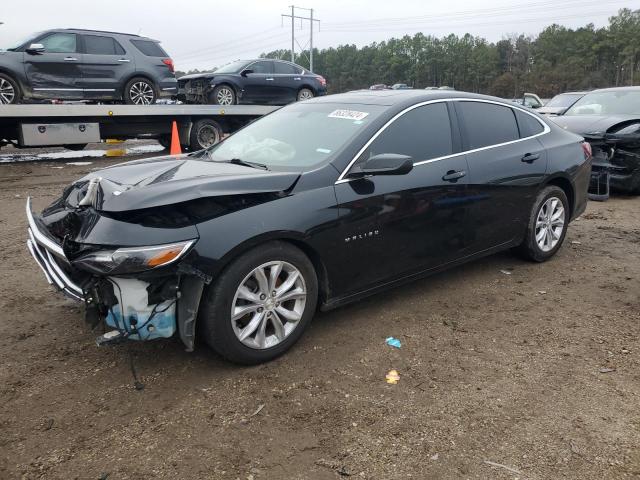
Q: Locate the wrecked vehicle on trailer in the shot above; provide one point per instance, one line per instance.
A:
(609, 119)
(321, 203)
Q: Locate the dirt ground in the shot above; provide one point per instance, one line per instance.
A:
(530, 375)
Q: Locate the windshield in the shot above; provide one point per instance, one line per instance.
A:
(22, 41)
(615, 102)
(233, 67)
(563, 100)
(297, 137)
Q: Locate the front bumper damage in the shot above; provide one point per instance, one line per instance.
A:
(135, 307)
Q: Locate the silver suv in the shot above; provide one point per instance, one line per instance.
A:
(74, 64)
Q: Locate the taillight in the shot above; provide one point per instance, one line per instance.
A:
(169, 63)
(586, 148)
(322, 81)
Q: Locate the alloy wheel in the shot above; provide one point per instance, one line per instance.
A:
(141, 93)
(268, 305)
(224, 96)
(7, 91)
(550, 224)
(305, 95)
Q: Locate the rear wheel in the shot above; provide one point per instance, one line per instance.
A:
(204, 134)
(305, 94)
(9, 90)
(547, 225)
(140, 91)
(222, 95)
(261, 304)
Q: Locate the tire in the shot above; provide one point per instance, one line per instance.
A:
(9, 90)
(538, 243)
(223, 335)
(140, 91)
(204, 134)
(223, 95)
(76, 147)
(165, 141)
(305, 94)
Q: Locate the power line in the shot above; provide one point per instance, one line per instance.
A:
(295, 17)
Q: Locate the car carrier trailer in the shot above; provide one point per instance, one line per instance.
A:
(75, 125)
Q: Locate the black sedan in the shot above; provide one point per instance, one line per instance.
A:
(315, 205)
(262, 81)
(610, 120)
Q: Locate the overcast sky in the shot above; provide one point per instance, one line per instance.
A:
(208, 33)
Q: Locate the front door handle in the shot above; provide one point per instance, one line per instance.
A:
(454, 175)
(70, 59)
(124, 60)
(270, 79)
(530, 157)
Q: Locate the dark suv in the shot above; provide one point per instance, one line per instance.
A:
(72, 64)
(260, 81)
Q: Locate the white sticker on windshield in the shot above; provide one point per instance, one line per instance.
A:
(348, 114)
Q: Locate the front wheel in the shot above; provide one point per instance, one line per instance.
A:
(305, 94)
(140, 91)
(222, 95)
(547, 225)
(261, 304)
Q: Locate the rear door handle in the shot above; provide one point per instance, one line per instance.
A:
(454, 175)
(297, 78)
(270, 79)
(70, 59)
(530, 157)
(124, 60)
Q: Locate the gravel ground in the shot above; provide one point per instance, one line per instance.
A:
(530, 375)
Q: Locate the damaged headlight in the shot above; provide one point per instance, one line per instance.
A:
(132, 259)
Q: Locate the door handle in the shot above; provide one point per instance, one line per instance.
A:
(454, 175)
(297, 78)
(124, 60)
(270, 79)
(530, 157)
(70, 59)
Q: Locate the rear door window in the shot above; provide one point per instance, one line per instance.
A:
(149, 48)
(529, 126)
(285, 68)
(98, 45)
(487, 124)
(423, 133)
(60, 43)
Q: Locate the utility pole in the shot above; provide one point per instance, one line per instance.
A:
(294, 17)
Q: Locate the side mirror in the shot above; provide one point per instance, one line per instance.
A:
(384, 164)
(245, 72)
(35, 49)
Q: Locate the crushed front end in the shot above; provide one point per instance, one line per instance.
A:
(616, 161)
(141, 286)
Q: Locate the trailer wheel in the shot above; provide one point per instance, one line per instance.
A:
(205, 133)
(165, 141)
(9, 90)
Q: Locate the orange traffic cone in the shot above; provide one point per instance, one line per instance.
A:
(175, 140)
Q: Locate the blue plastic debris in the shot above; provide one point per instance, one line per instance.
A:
(393, 342)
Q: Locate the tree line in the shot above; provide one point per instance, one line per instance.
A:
(559, 59)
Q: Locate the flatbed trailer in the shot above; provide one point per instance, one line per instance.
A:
(75, 125)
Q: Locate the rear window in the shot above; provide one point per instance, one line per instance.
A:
(488, 124)
(529, 126)
(97, 45)
(149, 48)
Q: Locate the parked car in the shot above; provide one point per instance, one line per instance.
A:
(609, 119)
(74, 64)
(530, 100)
(560, 103)
(379, 86)
(317, 204)
(261, 81)
(400, 86)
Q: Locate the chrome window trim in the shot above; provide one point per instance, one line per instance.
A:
(546, 129)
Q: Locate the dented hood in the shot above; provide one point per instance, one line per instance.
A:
(582, 124)
(168, 180)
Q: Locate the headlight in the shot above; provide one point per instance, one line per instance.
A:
(132, 259)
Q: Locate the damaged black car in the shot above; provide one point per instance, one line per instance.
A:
(609, 119)
(315, 205)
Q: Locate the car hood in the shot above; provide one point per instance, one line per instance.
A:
(583, 124)
(169, 180)
(186, 78)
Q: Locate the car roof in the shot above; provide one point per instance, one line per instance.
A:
(574, 93)
(397, 97)
(617, 89)
(85, 30)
